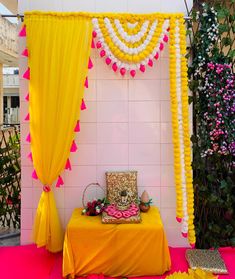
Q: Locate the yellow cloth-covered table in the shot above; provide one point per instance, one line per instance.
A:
(91, 247)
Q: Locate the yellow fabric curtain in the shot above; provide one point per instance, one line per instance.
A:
(59, 49)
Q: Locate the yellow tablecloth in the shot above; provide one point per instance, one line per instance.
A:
(91, 247)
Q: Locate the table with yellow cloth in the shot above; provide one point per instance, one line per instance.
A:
(91, 247)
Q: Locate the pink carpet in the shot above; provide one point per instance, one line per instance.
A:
(28, 262)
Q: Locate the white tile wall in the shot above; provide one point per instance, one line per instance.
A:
(127, 126)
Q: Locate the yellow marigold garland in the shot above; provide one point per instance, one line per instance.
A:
(129, 44)
(192, 274)
(132, 31)
(124, 56)
(187, 144)
(175, 126)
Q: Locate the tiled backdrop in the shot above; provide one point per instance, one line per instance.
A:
(127, 126)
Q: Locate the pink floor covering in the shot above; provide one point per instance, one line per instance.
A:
(28, 262)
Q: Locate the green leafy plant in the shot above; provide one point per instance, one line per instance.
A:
(211, 80)
(10, 172)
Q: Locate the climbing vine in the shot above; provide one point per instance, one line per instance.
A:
(211, 79)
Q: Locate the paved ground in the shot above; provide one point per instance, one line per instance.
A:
(11, 241)
(9, 237)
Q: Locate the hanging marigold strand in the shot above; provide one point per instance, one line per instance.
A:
(187, 144)
(175, 127)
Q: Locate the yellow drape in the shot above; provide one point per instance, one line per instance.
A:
(59, 48)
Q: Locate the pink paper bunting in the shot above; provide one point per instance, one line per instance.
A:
(83, 105)
(59, 182)
(68, 165)
(77, 127)
(26, 74)
(73, 147)
(25, 52)
(34, 175)
(28, 138)
(92, 44)
(86, 82)
(30, 156)
(90, 64)
(27, 117)
(22, 32)
(27, 97)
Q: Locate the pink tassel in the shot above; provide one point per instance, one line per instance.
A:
(27, 117)
(165, 39)
(185, 235)
(77, 127)
(92, 44)
(59, 182)
(150, 63)
(86, 82)
(73, 147)
(28, 138)
(34, 175)
(156, 56)
(123, 71)
(27, 97)
(90, 64)
(30, 156)
(192, 245)
(142, 68)
(98, 44)
(133, 73)
(102, 53)
(94, 34)
(161, 46)
(114, 67)
(83, 105)
(22, 32)
(68, 165)
(25, 52)
(26, 75)
(108, 60)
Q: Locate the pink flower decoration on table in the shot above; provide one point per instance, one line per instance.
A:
(112, 210)
(118, 215)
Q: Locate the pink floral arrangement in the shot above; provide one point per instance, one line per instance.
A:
(113, 211)
(94, 208)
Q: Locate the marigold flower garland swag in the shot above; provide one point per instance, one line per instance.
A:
(128, 42)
